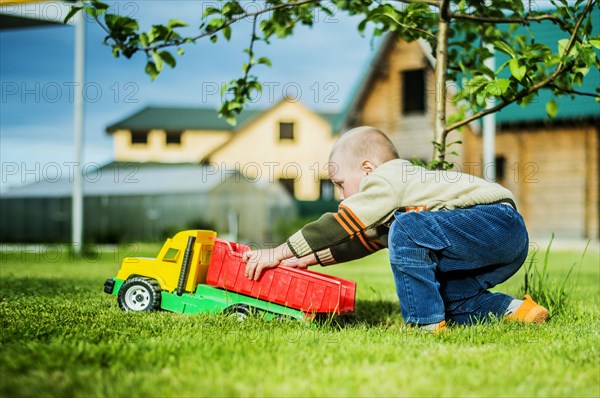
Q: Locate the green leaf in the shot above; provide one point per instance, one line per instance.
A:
(551, 108)
(176, 23)
(227, 32)
(130, 24)
(151, 70)
(180, 51)
(210, 11)
(215, 23)
(527, 100)
(586, 54)
(595, 41)
(168, 58)
(144, 40)
(476, 83)
(101, 6)
(233, 106)
(505, 48)
(497, 87)
(562, 46)
(264, 61)
(231, 119)
(157, 61)
(74, 10)
(518, 71)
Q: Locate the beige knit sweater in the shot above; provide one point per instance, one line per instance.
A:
(359, 228)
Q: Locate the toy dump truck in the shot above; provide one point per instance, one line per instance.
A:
(195, 272)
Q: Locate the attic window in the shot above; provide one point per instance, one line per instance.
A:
(413, 92)
(139, 137)
(500, 168)
(173, 137)
(286, 131)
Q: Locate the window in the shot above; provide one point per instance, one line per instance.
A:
(288, 184)
(326, 190)
(286, 131)
(413, 92)
(171, 255)
(173, 137)
(500, 167)
(139, 137)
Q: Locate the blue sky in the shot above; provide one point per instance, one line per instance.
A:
(320, 66)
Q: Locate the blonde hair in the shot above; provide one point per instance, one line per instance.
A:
(364, 143)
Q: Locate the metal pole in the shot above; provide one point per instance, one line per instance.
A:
(489, 132)
(78, 126)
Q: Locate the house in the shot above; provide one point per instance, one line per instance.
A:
(127, 201)
(552, 166)
(397, 94)
(287, 143)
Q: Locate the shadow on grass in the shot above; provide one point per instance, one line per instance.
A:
(366, 312)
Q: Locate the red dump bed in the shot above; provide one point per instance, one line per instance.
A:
(296, 288)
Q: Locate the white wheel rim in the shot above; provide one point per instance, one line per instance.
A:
(137, 298)
(238, 316)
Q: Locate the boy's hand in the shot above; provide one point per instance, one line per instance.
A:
(258, 260)
(302, 263)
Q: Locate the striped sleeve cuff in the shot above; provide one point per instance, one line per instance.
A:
(324, 257)
(298, 245)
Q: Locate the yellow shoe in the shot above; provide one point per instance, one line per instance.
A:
(433, 328)
(529, 312)
(440, 327)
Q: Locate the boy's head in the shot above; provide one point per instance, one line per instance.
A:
(357, 153)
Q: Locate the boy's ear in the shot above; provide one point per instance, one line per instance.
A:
(367, 166)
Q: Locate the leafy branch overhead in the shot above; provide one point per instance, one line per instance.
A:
(461, 33)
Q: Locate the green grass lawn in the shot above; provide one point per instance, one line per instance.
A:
(62, 336)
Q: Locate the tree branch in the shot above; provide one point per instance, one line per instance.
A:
(524, 93)
(433, 3)
(441, 70)
(251, 49)
(234, 20)
(408, 27)
(571, 91)
(525, 19)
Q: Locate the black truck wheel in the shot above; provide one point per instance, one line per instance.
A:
(239, 312)
(139, 294)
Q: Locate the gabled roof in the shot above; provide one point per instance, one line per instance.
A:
(367, 77)
(128, 179)
(170, 118)
(581, 107)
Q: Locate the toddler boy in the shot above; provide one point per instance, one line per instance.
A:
(451, 236)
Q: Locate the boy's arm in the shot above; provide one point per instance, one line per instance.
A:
(351, 249)
(369, 208)
(335, 237)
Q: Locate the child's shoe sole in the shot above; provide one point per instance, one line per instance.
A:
(529, 312)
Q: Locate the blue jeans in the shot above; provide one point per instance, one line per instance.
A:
(444, 262)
